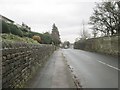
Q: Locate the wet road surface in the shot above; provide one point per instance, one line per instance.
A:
(55, 74)
(92, 69)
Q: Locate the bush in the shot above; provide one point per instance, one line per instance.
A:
(24, 30)
(5, 28)
(15, 30)
(37, 38)
(47, 39)
(25, 34)
(31, 34)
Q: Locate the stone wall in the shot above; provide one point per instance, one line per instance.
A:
(20, 61)
(107, 45)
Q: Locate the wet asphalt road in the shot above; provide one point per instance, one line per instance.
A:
(93, 70)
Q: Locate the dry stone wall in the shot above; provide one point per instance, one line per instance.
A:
(107, 45)
(20, 61)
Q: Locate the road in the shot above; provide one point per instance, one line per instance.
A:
(93, 70)
(66, 66)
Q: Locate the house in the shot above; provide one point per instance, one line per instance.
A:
(18, 25)
(26, 27)
(6, 19)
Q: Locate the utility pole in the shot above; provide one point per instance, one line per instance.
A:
(83, 30)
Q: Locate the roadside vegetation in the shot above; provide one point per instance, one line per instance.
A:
(104, 22)
(13, 33)
(14, 38)
(106, 19)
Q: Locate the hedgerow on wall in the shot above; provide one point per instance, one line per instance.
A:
(8, 28)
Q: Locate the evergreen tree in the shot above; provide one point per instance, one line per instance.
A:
(55, 35)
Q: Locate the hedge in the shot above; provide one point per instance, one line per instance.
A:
(5, 28)
(15, 30)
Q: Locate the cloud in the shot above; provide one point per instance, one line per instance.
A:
(41, 14)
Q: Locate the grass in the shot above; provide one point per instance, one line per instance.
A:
(14, 38)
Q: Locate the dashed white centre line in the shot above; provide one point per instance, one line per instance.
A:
(109, 65)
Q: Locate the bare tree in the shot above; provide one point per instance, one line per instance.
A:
(106, 18)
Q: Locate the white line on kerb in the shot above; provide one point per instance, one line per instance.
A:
(109, 65)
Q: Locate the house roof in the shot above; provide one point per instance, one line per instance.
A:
(7, 19)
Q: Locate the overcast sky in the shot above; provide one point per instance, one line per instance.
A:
(41, 14)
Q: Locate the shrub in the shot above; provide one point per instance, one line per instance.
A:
(31, 34)
(37, 38)
(24, 30)
(25, 34)
(15, 30)
(5, 28)
(47, 39)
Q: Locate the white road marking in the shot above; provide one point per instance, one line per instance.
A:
(109, 65)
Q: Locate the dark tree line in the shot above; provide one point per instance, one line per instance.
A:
(106, 18)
